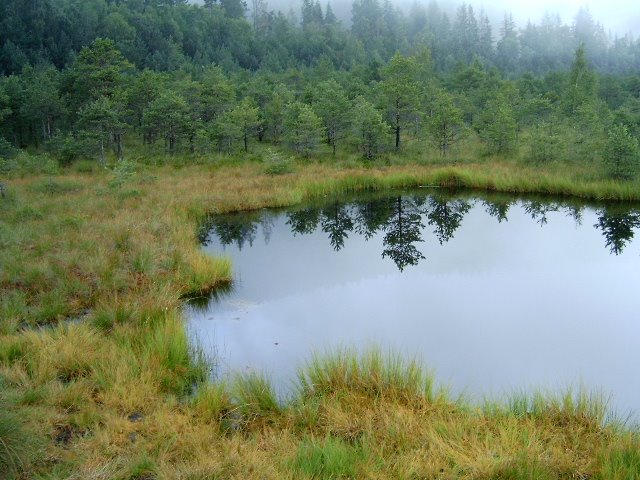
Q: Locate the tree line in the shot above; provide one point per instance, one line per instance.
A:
(370, 88)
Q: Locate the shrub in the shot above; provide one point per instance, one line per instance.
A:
(24, 164)
(277, 164)
(621, 153)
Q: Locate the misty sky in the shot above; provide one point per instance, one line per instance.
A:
(621, 16)
(617, 16)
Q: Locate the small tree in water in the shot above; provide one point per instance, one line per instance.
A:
(622, 153)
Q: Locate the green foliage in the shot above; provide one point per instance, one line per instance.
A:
(303, 128)
(277, 164)
(497, 126)
(525, 468)
(545, 142)
(6, 149)
(183, 363)
(238, 124)
(274, 111)
(27, 164)
(211, 401)
(582, 82)
(587, 133)
(123, 171)
(56, 187)
(445, 125)
(332, 105)
(622, 153)
(371, 374)
(102, 121)
(98, 71)
(621, 463)
(218, 94)
(69, 148)
(581, 404)
(370, 131)
(142, 469)
(400, 89)
(167, 117)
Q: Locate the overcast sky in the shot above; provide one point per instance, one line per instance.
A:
(619, 16)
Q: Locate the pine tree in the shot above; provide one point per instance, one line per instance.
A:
(622, 153)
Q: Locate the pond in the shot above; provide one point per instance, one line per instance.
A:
(495, 294)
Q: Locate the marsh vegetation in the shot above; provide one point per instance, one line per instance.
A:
(99, 373)
(124, 126)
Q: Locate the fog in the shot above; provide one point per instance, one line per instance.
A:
(619, 17)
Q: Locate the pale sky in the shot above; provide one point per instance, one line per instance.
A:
(619, 16)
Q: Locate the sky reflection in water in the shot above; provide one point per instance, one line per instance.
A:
(493, 294)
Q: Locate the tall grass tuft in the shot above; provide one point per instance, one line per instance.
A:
(212, 402)
(202, 273)
(621, 462)
(371, 374)
(18, 447)
(255, 396)
(329, 458)
(582, 405)
(182, 364)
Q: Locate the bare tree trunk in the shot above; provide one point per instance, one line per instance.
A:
(119, 153)
(397, 130)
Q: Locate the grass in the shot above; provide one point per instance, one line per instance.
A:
(329, 458)
(370, 374)
(97, 368)
(18, 446)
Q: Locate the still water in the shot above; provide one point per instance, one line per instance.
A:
(494, 294)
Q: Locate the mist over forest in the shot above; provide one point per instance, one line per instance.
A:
(618, 17)
(277, 34)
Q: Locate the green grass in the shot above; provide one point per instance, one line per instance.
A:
(183, 365)
(255, 397)
(523, 467)
(370, 373)
(212, 402)
(620, 463)
(329, 458)
(18, 446)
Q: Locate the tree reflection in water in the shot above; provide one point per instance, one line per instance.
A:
(402, 232)
(402, 220)
(617, 224)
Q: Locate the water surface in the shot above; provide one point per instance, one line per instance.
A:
(494, 294)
